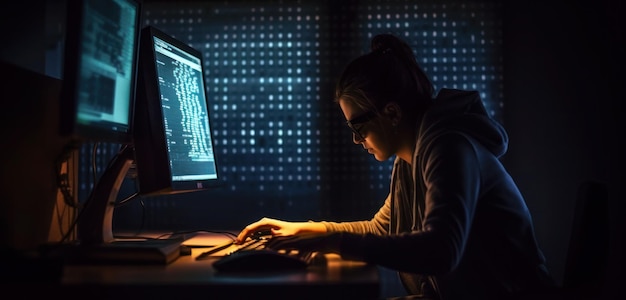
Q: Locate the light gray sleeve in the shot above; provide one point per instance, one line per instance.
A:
(378, 225)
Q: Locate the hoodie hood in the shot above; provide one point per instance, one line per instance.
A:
(462, 111)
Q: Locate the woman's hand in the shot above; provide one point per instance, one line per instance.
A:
(279, 228)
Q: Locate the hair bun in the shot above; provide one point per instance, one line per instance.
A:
(383, 42)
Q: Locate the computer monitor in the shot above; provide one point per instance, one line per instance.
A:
(174, 149)
(98, 95)
(99, 70)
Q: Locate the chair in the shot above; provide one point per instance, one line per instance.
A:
(586, 262)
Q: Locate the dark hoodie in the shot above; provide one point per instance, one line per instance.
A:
(455, 225)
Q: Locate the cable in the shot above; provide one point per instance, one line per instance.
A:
(126, 200)
(62, 178)
(64, 186)
(94, 165)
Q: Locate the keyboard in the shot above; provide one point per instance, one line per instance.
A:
(230, 248)
(251, 244)
(253, 255)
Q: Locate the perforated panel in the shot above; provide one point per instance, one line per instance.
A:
(458, 45)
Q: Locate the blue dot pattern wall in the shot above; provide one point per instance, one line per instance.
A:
(282, 144)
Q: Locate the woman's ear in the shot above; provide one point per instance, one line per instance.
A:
(393, 112)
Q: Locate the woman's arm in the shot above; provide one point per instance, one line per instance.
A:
(280, 228)
(379, 225)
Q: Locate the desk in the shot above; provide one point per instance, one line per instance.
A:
(188, 278)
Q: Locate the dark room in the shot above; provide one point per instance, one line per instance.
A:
(150, 145)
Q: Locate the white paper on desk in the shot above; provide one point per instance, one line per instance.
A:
(208, 239)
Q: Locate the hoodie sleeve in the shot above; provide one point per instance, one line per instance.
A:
(378, 225)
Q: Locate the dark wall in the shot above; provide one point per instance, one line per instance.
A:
(23, 34)
(562, 111)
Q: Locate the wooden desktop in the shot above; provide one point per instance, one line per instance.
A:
(187, 277)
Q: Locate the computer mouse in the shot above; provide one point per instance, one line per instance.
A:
(263, 260)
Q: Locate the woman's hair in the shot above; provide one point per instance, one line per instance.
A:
(389, 72)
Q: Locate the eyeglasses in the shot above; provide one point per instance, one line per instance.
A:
(362, 119)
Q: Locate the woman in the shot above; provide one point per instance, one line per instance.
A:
(454, 224)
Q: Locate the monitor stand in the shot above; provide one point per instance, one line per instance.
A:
(95, 234)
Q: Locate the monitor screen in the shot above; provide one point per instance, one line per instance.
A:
(172, 134)
(99, 70)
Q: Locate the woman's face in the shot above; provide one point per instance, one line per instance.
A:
(374, 132)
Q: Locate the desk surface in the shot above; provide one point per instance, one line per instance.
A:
(187, 277)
